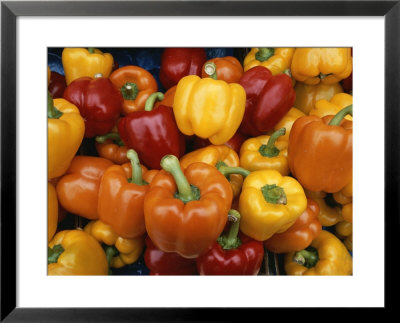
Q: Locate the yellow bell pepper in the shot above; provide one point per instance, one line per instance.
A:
(269, 203)
(119, 251)
(80, 62)
(52, 211)
(65, 128)
(265, 152)
(287, 122)
(208, 108)
(339, 101)
(327, 65)
(75, 252)
(329, 212)
(308, 95)
(277, 60)
(327, 255)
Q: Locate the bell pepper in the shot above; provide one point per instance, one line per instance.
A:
(52, 211)
(327, 65)
(308, 95)
(300, 235)
(218, 156)
(268, 99)
(56, 85)
(209, 108)
(269, 203)
(324, 107)
(82, 62)
(98, 101)
(152, 133)
(343, 229)
(233, 253)
(234, 143)
(179, 62)
(78, 189)
(121, 195)
(111, 147)
(227, 69)
(330, 211)
(135, 84)
(287, 122)
(265, 152)
(328, 164)
(119, 251)
(186, 212)
(168, 99)
(277, 60)
(347, 83)
(326, 256)
(75, 252)
(65, 130)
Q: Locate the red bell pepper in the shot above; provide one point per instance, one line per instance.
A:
(57, 85)
(167, 263)
(98, 101)
(233, 253)
(268, 98)
(179, 62)
(152, 133)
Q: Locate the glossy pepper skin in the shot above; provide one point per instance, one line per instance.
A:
(300, 235)
(75, 252)
(65, 128)
(269, 203)
(287, 122)
(52, 211)
(328, 257)
(208, 108)
(57, 85)
(135, 84)
(152, 133)
(327, 65)
(167, 263)
(328, 164)
(330, 212)
(111, 147)
(339, 101)
(228, 69)
(179, 62)
(232, 254)
(78, 189)
(277, 60)
(168, 99)
(268, 99)
(121, 196)
(98, 101)
(82, 62)
(119, 251)
(190, 228)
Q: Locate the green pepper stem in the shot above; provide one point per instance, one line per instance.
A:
(264, 53)
(227, 170)
(52, 111)
(151, 100)
(111, 252)
(91, 50)
(136, 168)
(54, 253)
(274, 194)
(129, 91)
(170, 164)
(211, 70)
(335, 121)
(231, 240)
(114, 136)
(270, 150)
(307, 257)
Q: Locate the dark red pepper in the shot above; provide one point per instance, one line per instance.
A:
(57, 85)
(167, 263)
(233, 253)
(98, 101)
(268, 98)
(179, 62)
(152, 133)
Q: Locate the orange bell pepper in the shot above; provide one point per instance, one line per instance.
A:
(136, 84)
(168, 99)
(78, 189)
(330, 212)
(186, 212)
(111, 147)
(227, 68)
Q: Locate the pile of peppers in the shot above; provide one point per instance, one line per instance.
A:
(195, 161)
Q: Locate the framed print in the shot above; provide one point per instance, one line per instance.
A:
(32, 31)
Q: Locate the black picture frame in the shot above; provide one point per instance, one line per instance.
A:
(10, 10)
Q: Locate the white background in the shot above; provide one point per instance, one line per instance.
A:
(364, 288)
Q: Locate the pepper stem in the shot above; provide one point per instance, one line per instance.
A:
(335, 121)
(307, 257)
(91, 50)
(151, 100)
(136, 168)
(211, 70)
(186, 192)
(114, 136)
(274, 194)
(227, 170)
(54, 253)
(264, 53)
(52, 111)
(231, 240)
(129, 91)
(270, 150)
